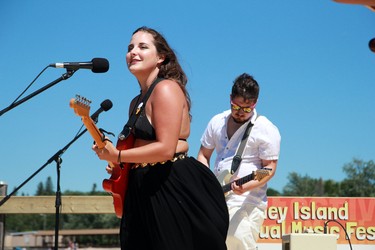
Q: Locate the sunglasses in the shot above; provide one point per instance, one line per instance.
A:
(238, 108)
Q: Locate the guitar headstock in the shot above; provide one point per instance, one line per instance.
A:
(261, 173)
(81, 106)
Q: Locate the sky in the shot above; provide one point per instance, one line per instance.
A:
(311, 59)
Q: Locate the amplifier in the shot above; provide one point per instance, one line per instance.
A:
(309, 241)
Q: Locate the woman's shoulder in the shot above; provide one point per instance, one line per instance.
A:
(166, 82)
(167, 86)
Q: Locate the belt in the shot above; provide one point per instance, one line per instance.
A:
(177, 156)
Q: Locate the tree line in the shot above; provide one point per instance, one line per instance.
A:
(359, 182)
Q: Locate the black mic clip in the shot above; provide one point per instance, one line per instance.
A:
(104, 133)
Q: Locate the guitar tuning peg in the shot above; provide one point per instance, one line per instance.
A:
(85, 101)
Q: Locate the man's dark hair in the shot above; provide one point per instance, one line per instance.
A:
(246, 87)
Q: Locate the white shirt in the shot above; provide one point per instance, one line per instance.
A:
(263, 143)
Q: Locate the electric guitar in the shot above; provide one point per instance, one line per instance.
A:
(118, 182)
(224, 178)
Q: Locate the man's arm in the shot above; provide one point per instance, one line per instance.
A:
(204, 155)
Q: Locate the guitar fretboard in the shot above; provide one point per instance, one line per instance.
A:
(241, 181)
(259, 175)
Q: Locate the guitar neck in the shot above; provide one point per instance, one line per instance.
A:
(94, 131)
(227, 188)
(245, 179)
(241, 181)
(81, 107)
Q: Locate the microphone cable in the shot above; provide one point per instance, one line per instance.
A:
(346, 233)
(23, 92)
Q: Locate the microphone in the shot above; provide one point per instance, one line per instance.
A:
(104, 106)
(97, 65)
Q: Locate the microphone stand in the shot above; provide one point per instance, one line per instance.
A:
(67, 75)
(57, 158)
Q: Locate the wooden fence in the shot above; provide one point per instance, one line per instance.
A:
(69, 205)
(46, 205)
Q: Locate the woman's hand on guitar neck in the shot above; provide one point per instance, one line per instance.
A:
(108, 153)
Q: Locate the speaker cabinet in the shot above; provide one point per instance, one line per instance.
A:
(309, 241)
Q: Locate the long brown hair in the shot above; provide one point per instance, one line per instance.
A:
(170, 68)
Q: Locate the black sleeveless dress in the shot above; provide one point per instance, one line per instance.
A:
(173, 206)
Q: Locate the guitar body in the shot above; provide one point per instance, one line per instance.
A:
(117, 184)
(224, 177)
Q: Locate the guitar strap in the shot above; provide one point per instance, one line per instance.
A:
(238, 157)
(136, 111)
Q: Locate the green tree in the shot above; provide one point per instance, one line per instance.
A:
(45, 189)
(49, 190)
(360, 181)
(302, 186)
(332, 188)
(93, 190)
(39, 189)
(273, 192)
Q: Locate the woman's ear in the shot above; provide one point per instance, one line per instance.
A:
(161, 59)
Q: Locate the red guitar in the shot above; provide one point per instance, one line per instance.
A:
(118, 182)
